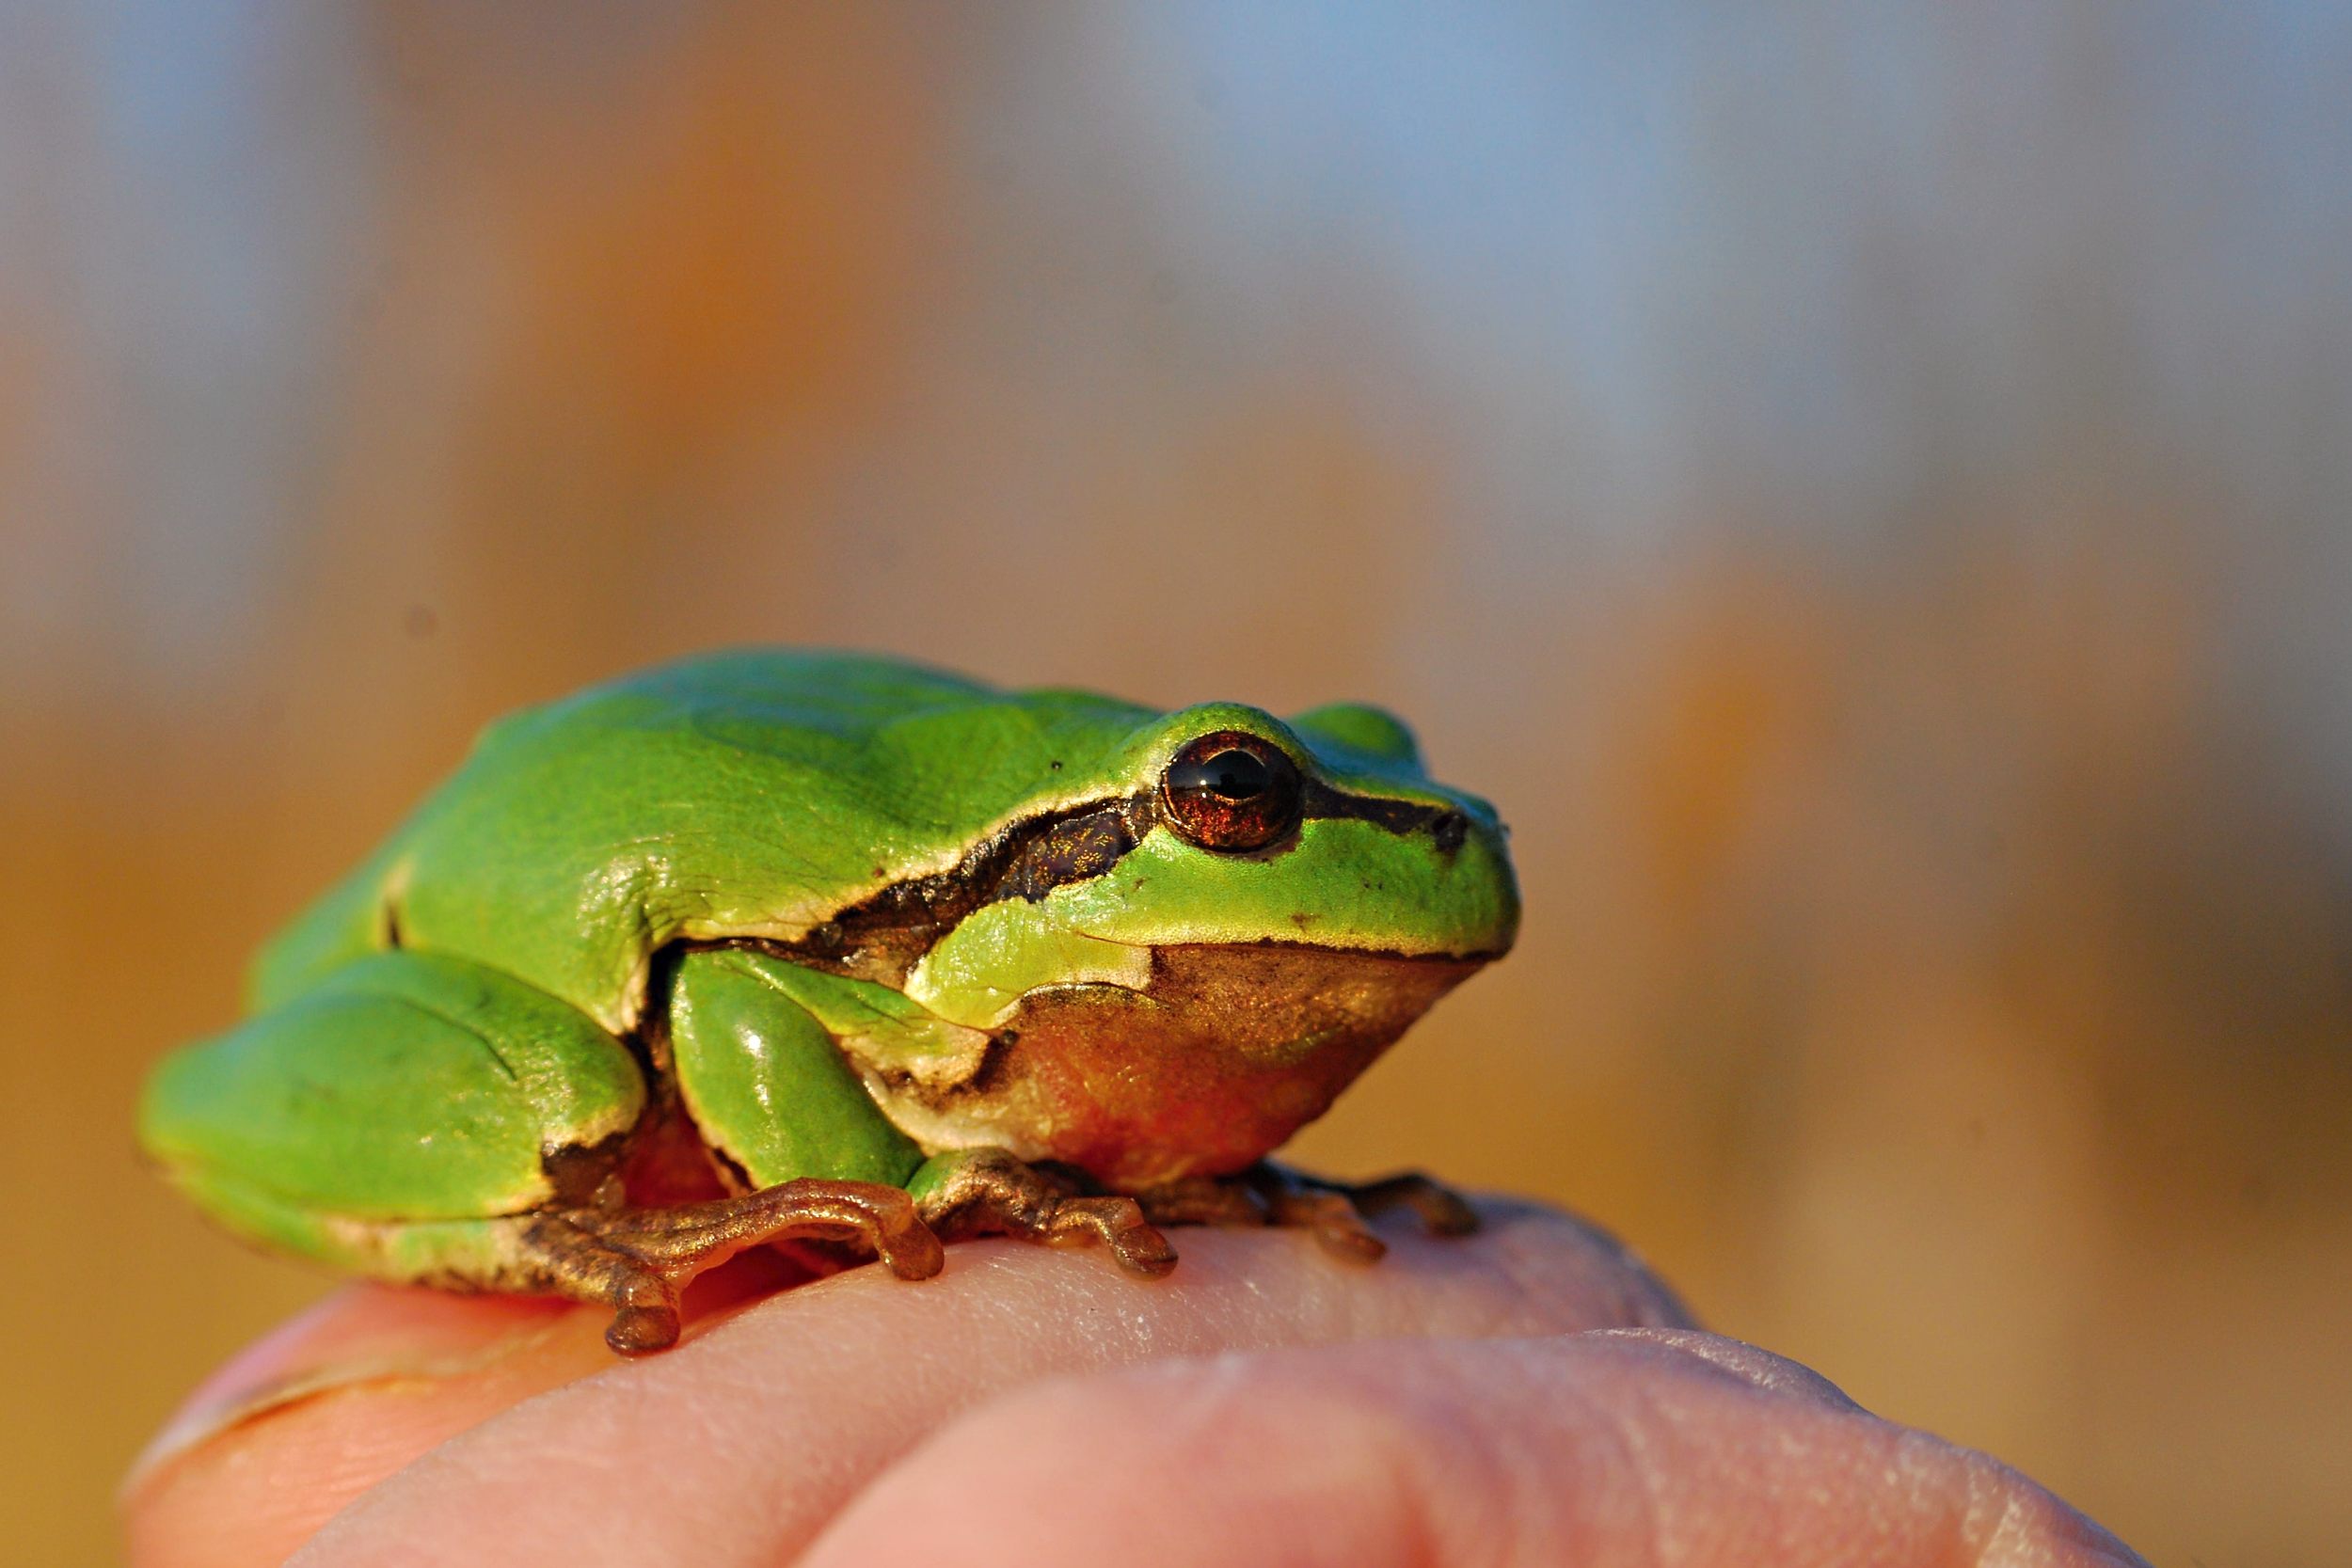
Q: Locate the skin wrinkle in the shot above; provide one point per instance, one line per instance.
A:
(2024, 1521)
(2005, 1533)
(1526, 1478)
(1338, 1434)
(1366, 1435)
(1485, 1536)
(1407, 1481)
(1634, 1452)
(1419, 1478)
(1974, 1526)
(1476, 1535)
(1917, 1467)
(1907, 1472)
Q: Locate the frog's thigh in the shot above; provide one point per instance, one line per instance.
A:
(404, 1096)
(765, 1081)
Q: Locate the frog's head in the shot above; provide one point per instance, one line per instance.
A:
(1186, 967)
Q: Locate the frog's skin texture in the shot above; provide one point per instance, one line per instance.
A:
(778, 944)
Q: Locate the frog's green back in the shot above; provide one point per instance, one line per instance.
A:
(753, 793)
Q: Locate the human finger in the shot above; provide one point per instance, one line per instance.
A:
(1677, 1449)
(756, 1429)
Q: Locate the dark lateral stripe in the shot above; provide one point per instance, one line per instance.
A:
(1397, 816)
(1072, 849)
(1030, 858)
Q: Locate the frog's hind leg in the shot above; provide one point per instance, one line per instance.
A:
(419, 1119)
(636, 1261)
(1335, 1212)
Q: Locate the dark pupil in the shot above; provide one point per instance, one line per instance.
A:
(1235, 775)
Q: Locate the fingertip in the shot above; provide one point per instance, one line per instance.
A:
(316, 1412)
(319, 1410)
(357, 1334)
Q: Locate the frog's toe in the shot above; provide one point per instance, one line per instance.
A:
(1337, 1212)
(1119, 1225)
(636, 1330)
(1331, 1217)
(908, 1247)
(1442, 1211)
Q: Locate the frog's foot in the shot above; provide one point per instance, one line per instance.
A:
(1335, 1212)
(989, 1193)
(637, 1260)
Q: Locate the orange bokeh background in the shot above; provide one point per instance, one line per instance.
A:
(1883, 551)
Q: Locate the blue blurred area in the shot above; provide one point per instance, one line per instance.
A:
(1846, 264)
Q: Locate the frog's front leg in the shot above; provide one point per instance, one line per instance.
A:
(987, 1192)
(1335, 1212)
(753, 1034)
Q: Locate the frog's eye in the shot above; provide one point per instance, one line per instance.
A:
(1231, 790)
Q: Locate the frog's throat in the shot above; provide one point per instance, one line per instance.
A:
(1223, 1054)
(882, 936)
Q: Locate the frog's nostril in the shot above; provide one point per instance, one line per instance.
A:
(1449, 829)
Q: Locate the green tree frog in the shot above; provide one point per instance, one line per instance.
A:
(805, 947)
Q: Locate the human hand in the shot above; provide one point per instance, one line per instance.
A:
(1527, 1395)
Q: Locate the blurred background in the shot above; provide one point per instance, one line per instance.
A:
(1866, 489)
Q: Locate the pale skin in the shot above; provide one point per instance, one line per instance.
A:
(1530, 1395)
